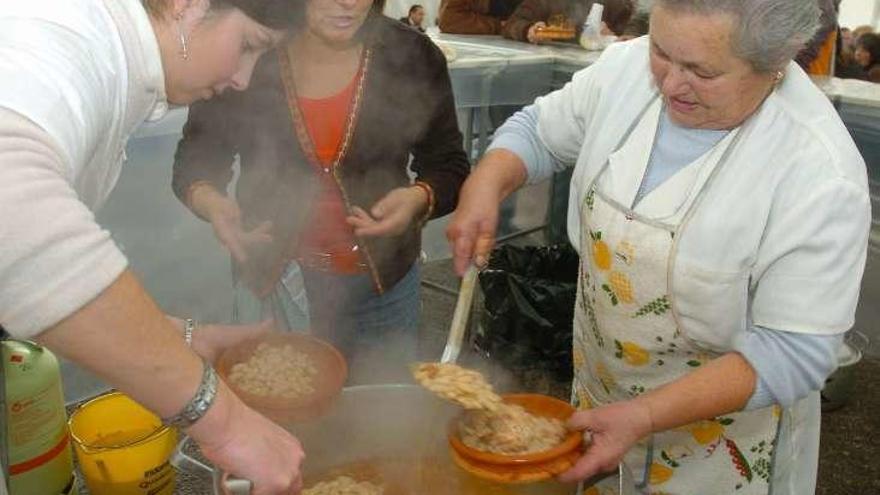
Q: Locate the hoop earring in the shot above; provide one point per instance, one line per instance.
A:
(184, 52)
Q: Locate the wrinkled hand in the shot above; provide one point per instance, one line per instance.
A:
(614, 429)
(225, 217)
(391, 215)
(471, 233)
(532, 34)
(209, 341)
(254, 448)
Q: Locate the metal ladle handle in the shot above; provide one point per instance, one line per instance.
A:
(460, 316)
(228, 485)
(235, 486)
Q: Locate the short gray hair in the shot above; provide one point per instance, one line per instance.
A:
(768, 33)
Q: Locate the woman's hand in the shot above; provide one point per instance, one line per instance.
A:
(613, 429)
(532, 34)
(471, 233)
(245, 444)
(209, 341)
(695, 396)
(225, 217)
(391, 215)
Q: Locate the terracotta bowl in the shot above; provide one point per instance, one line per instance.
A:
(517, 473)
(332, 372)
(539, 405)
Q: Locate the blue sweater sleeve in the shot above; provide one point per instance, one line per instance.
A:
(519, 135)
(789, 365)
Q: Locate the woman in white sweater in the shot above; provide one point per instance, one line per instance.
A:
(76, 78)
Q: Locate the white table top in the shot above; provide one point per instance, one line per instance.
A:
(472, 51)
(475, 51)
(495, 52)
(850, 91)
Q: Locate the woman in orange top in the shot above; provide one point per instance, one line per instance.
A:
(327, 135)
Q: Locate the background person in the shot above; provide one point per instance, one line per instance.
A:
(533, 14)
(817, 58)
(325, 200)
(867, 56)
(475, 16)
(860, 30)
(415, 17)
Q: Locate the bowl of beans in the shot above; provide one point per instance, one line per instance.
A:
(523, 440)
(288, 377)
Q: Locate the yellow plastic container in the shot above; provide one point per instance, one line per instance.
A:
(122, 448)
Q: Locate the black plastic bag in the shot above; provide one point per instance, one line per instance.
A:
(529, 306)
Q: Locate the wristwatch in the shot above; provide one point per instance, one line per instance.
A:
(200, 403)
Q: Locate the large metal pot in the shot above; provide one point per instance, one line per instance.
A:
(396, 433)
(399, 433)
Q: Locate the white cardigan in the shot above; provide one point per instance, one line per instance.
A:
(76, 78)
(780, 237)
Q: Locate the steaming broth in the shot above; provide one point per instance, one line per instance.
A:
(344, 485)
(396, 436)
(428, 475)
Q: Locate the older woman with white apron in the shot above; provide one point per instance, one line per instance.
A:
(721, 211)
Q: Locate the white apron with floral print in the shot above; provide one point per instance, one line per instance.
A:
(626, 340)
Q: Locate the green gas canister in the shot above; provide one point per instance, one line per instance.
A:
(39, 455)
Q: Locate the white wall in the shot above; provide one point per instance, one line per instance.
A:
(854, 13)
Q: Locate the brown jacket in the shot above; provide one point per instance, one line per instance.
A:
(406, 107)
(616, 15)
(474, 16)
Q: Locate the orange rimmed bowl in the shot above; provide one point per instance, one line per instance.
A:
(332, 371)
(520, 468)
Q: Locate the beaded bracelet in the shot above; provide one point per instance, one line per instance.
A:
(430, 192)
(188, 326)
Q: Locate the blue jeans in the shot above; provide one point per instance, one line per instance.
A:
(346, 310)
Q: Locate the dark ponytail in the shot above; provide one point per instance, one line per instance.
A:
(276, 14)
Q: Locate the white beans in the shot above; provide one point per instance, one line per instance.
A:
(465, 387)
(510, 430)
(489, 425)
(344, 485)
(282, 372)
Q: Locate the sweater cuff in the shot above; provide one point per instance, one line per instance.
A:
(518, 147)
